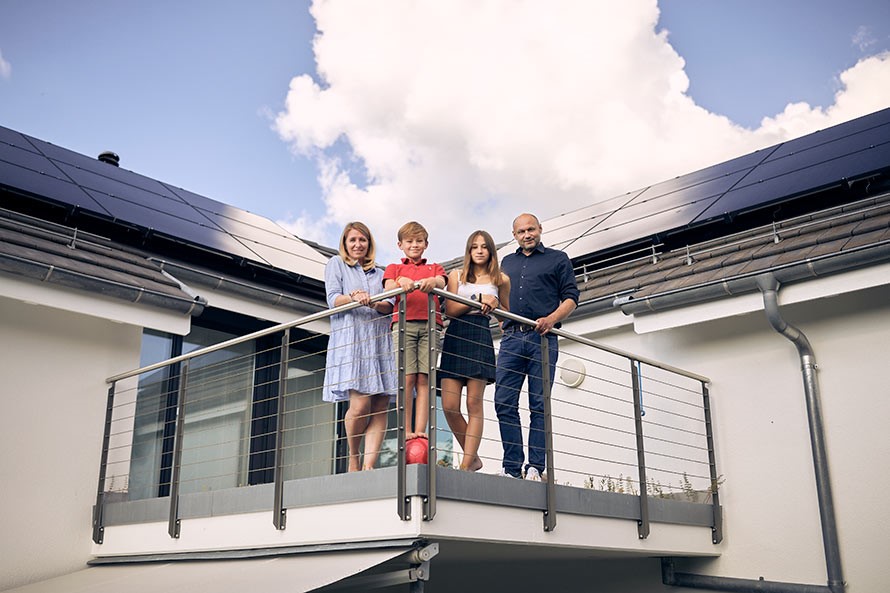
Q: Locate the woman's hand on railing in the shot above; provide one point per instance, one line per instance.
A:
(488, 302)
(360, 296)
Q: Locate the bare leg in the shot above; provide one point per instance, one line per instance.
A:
(410, 381)
(451, 390)
(357, 418)
(475, 392)
(376, 429)
(422, 405)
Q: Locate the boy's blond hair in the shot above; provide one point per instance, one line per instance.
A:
(413, 229)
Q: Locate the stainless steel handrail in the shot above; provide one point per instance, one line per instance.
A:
(576, 338)
(252, 336)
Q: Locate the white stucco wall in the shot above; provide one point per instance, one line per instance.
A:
(763, 445)
(52, 409)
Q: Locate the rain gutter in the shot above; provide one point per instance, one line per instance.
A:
(237, 287)
(52, 274)
(746, 283)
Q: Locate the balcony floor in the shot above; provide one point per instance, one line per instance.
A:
(477, 516)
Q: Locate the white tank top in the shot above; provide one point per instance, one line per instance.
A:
(471, 290)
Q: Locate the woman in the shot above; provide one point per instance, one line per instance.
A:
(468, 352)
(360, 366)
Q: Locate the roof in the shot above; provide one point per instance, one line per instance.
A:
(61, 256)
(831, 240)
(54, 184)
(840, 162)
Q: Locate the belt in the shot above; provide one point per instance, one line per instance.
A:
(519, 328)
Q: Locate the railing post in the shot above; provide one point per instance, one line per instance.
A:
(404, 501)
(99, 512)
(550, 486)
(429, 501)
(173, 522)
(717, 525)
(279, 513)
(643, 523)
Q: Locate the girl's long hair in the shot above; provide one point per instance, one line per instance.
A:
(494, 269)
(372, 249)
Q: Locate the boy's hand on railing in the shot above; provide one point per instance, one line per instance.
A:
(406, 284)
(427, 284)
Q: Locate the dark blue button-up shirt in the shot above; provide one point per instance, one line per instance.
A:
(539, 282)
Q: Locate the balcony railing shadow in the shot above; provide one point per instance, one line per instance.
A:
(241, 427)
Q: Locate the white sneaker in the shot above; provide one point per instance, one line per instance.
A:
(533, 474)
(503, 473)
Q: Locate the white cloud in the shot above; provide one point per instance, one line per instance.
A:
(5, 67)
(863, 38)
(465, 113)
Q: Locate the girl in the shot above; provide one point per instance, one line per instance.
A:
(467, 352)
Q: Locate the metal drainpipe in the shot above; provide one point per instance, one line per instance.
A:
(769, 286)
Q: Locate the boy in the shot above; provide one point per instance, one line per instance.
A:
(413, 241)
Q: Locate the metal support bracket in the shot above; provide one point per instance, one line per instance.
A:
(717, 524)
(415, 576)
(279, 513)
(550, 510)
(636, 380)
(429, 501)
(99, 511)
(403, 502)
(173, 523)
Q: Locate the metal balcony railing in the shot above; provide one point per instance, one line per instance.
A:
(248, 411)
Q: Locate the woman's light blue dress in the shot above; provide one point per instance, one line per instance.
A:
(360, 354)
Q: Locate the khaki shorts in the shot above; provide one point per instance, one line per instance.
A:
(417, 347)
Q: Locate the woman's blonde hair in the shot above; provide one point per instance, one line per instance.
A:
(494, 269)
(372, 249)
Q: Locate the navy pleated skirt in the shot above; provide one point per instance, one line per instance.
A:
(467, 351)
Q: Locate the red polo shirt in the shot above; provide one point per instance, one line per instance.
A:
(415, 307)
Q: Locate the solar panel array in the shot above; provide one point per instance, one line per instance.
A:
(47, 171)
(847, 152)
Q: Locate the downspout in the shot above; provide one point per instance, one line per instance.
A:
(769, 286)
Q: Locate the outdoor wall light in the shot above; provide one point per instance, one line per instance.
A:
(572, 372)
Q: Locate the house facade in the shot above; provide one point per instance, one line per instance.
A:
(713, 389)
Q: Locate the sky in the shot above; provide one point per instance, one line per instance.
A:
(458, 114)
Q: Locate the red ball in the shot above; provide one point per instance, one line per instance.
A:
(417, 450)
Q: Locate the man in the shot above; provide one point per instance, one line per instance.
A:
(543, 288)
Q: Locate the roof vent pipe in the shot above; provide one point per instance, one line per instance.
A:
(110, 158)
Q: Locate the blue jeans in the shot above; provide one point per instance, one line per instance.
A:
(520, 357)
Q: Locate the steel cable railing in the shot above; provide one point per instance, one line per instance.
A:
(249, 411)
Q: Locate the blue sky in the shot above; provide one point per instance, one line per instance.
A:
(458, 115)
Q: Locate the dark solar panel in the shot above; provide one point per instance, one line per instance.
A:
(30, 172)
(564, 230)
(633, 232)
(675, 202)
(850, 128)
(93, 167)
(269, 241)
(824, 159)
(106, 185)
(15, 139)
(60, 175)
(804, 179)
